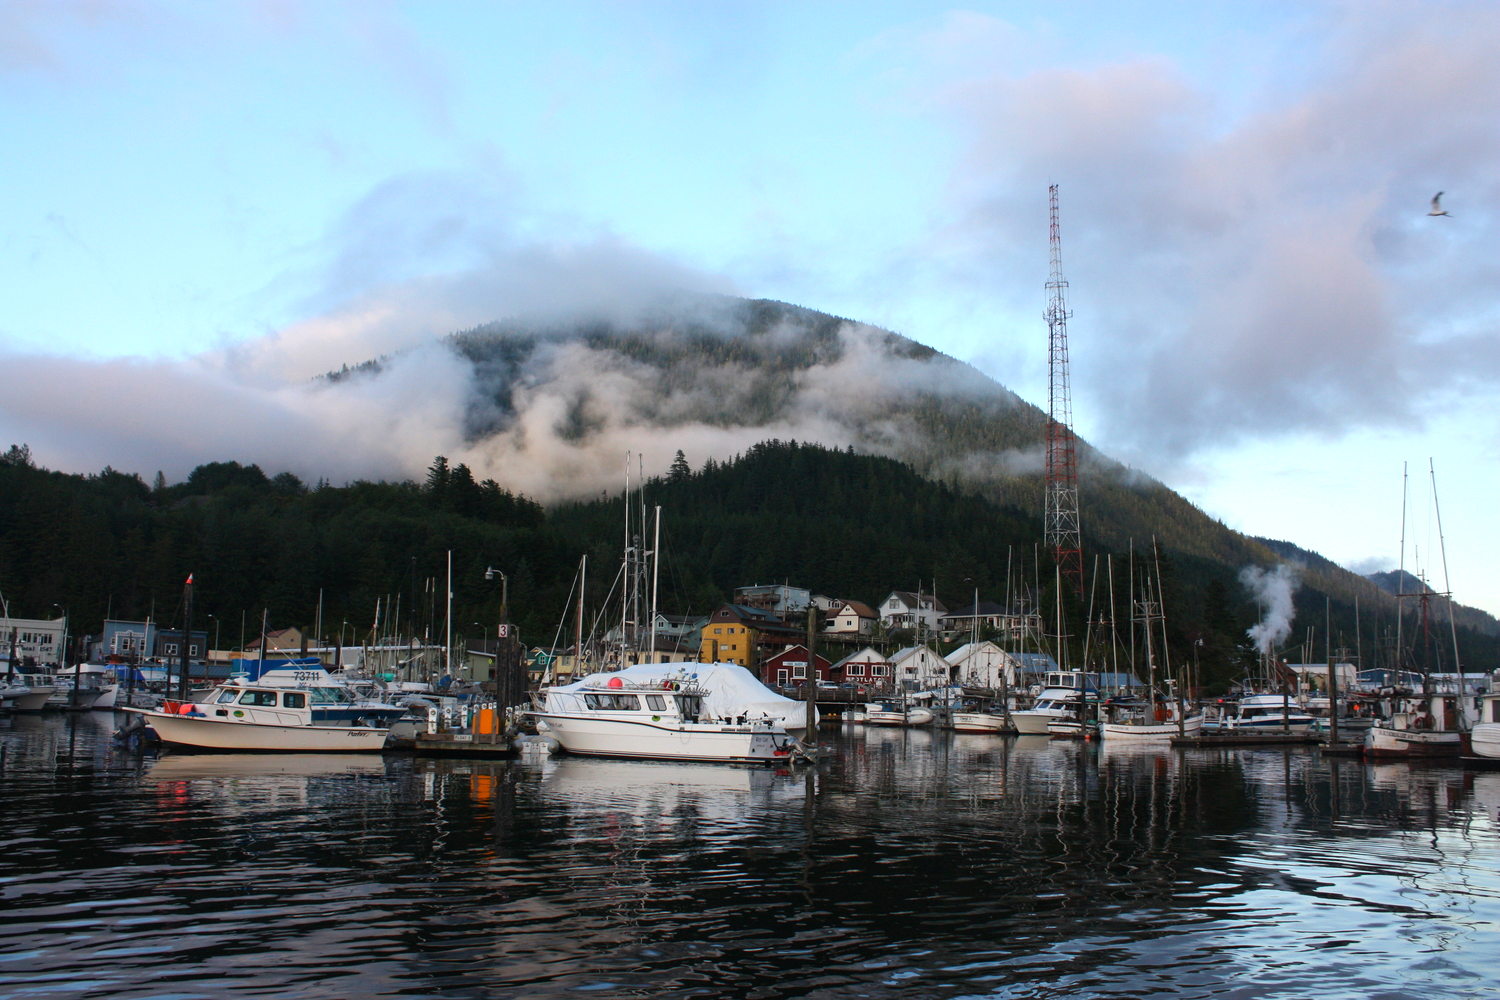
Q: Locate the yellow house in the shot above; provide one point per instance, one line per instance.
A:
(735, 633)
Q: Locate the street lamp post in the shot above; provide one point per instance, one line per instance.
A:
(490, 573)
(504, 693)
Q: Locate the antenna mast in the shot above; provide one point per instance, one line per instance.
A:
(1062, 463)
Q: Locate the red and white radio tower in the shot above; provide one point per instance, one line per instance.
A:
(1062, 460)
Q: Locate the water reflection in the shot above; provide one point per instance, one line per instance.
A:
(911, 863)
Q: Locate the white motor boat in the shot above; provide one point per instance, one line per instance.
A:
(1142, 731)
(1061, 698)
(1484, 739)
(729, 692)
(890, 713)
(26, 692)
(1263, 713)
(978, 722)
(85, 686)
(243, 715)
(612, 715)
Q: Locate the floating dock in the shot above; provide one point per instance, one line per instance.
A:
(1247, 740)
(481, 745)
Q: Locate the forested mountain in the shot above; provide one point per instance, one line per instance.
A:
(755, 365)
(840, 523)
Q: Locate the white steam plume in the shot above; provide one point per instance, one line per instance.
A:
(1273, 591)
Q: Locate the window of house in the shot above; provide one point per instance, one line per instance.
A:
(171, 648)
(880, 670)
(718, 631)
(193, 650)
(856, 670)
(799, 671)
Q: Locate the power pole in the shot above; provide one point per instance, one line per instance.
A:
(1061, 517)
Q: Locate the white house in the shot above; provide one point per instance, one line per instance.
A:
(988, 615)
(850, 618)
(982, 664)
(919, 668)
(38, 640)
(905, 610)
(779, 599)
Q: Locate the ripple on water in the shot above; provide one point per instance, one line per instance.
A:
(907, 867)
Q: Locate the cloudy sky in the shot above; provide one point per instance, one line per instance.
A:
(206, 203)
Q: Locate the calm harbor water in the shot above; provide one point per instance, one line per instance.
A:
(910, 864)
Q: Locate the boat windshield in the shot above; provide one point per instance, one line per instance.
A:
(329, 696)
(611, 702)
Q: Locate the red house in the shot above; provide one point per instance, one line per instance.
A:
(789, 667)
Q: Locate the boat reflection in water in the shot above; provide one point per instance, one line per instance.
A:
(906, 863)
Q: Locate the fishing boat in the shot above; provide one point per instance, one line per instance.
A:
(1061, 699)
(1396, 737)
(1161, 718)
(1431, 723)
(247, 715)
(616, 715)
(1163, 728)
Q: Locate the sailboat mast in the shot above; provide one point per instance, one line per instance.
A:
(583, 577)
(1401, 582)
(655, 574)
(1458, 664)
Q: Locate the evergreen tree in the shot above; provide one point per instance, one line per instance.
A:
(680, 469)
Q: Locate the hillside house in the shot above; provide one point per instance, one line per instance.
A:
(169, 644)
(739, 634)
(866, 669)
(961, 623)
(279, 640)
(38, 641)
(920, 668)
(983, 665)
(779, 599)
(905, 610)
(789, 667)
(850, 618)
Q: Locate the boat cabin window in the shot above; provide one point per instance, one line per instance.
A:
(689, 705)
(227, 697)
(329, 696)
(263, 699)
(612, 702)
(656, 703)
(294, 699)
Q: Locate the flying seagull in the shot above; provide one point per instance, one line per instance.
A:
(1437, 209)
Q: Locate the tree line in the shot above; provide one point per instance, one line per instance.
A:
(838, 523)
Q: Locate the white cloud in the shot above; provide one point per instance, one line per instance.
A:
(1268, 274)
